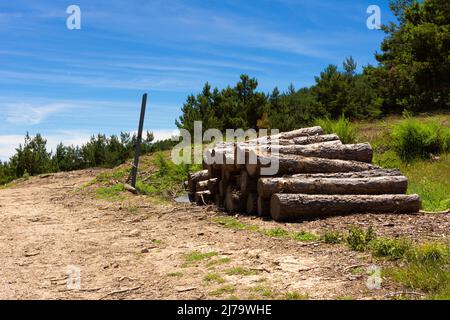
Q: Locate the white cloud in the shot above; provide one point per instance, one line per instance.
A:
(24, 113)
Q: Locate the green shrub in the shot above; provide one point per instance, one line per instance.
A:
(358, 239)
(392, 249)
(414, 139)
(342, 127)
(333, 237)
(431, 252)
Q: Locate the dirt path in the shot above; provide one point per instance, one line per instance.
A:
(135, 250)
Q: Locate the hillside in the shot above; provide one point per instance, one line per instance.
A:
(147, 246)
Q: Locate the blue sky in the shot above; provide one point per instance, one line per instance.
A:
(70, 84)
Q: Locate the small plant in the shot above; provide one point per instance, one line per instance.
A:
(230, 222)
(175, 274)
(342, 127)
(264, 291)
(333, 237)
(239, 271)
(392, 249)
(418, 139)
(198, 256)
(215, 262)
(213, 277)
(303, 236)
(111, 193)
(276, 232)
(227, 289)
(428, 253)
(296, 296)
(359, 239)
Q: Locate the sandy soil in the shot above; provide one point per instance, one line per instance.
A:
(50, 232)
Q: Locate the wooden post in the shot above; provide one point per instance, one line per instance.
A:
(138, 142)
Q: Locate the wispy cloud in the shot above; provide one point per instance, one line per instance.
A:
(23, 113)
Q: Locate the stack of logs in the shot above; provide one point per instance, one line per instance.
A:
(317, 175)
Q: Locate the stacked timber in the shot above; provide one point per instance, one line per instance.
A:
(316, 175)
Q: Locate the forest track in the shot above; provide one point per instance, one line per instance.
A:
(134, 249)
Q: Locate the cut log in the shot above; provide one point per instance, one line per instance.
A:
(213, 185)
(361, 152)
(203, 198)
(292, 164)
(201, 186)
(263, 207)
(218, 201)
(288, 207)
(252, 203)
(223, 185)
(367, 186)
(195, 177)
(214, 173)
(304, 132)
(235, 202)
(247, 183)
(360, 174)
(315, 139)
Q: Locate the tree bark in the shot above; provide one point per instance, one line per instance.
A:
(201, 186)
(315, 139)
(195, 177)
(252, 203)
(344, 175)
(293, 164)
(247, 183)
(213, 185)
(304, 132)
(235, 202)
(203, 198)
(263, 207)
(361, 152)
(366, 186)
(288, 207)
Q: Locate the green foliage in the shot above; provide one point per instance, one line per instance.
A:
(393, 249)
(342, 127)
(195, 256)
(333, 237)
(167, 179)
(414, 71)
(230, 222)
(276, 232)
(112, 193)
(303, 236)
(417, 139)
(213, 277)
(359, 239)
(427, 269)
(100, 151)
(239, 271)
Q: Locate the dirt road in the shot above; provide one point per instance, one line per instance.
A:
(57, 243)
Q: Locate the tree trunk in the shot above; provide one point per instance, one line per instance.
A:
(293, 164)
(203, 198)
(304, 132)
(213, 185)
(252, 203)
(235, 202)
(263, 207)
(201, 186)
(288, 207)
(195, 177)
(344, 175)
(247, 183)
(361, 152)
(315, 139)
(367, 186)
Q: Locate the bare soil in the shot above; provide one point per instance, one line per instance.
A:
(137, 249)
